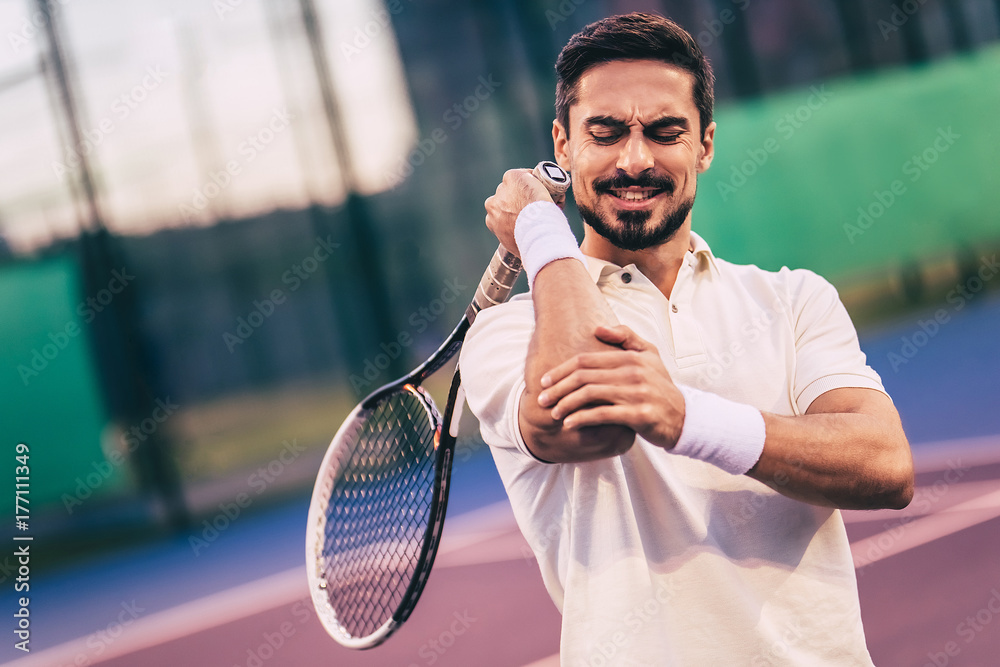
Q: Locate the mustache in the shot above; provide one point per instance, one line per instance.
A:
(646, 179)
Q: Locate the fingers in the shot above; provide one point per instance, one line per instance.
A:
(618, 336)
(625, 385)
(587, 360)
(525, 186)
(658, 422)
(623, 415)
(587, 395)
(623, 337)
(517, 189)
(580, 378)
(512, 176)
(598, 415)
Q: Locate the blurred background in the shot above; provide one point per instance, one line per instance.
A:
(222, 223)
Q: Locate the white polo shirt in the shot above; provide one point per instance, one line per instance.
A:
(657, 559)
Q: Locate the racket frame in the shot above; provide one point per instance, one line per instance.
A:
(333, 461)
(494, 288)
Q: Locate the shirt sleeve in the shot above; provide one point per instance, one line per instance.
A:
(827, 353)
(492, 362)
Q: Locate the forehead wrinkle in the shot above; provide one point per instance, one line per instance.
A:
(666, 120)
(628, 89)
(605, 119)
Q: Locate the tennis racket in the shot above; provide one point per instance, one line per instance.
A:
(379, 502)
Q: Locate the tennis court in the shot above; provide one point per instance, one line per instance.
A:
(928, 576)
(222, 224)
(928, 579)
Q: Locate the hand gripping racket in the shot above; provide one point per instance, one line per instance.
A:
(379, 501)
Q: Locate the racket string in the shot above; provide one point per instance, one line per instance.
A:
(377, 514)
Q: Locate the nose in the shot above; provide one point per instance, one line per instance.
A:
(635, 156)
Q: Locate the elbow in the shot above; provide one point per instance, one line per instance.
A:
(898, 484)
(549, 441)
(619, 439)
(891, 496)
(902, 490)
(587, 444)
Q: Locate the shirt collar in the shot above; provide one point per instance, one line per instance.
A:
(700, 253)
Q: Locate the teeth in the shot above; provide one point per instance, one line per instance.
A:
(630, 195)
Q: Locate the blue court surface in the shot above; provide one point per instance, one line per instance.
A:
(945, 388)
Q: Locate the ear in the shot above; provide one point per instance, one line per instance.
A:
(707, 148)
(560, 142)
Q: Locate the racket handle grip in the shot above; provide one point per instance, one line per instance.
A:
(505, 267)
(496, 283)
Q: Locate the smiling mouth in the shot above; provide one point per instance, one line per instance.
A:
(634, 194)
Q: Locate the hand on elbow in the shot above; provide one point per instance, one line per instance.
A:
(550, 441)
(589, 444)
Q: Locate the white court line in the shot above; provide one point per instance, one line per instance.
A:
(180, 621)
(926, 529)
(551, 661)
(475, 527)
(918, 532)
(468, 530)
(248, 599)
(941, 455)
(926, 501)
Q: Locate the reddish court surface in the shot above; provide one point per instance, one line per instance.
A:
(929, 578)
(490, 614)
(936, 602)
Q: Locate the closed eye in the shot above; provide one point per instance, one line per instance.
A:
(665, 137)
(606, 137)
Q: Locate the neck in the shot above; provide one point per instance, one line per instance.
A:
(660, 264)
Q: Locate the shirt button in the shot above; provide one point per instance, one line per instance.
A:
(626, 278)
(674, 308)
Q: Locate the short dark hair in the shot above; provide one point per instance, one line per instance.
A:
(634, 36)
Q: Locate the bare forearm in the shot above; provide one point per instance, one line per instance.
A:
(568, 308)
(851, 460)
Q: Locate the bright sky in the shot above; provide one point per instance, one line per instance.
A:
(173, 92)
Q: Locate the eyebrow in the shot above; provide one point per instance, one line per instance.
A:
(659, 123)
(668, 121)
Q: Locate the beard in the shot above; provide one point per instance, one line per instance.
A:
(634, 231)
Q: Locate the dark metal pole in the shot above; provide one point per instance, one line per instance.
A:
(853, 24)
(57, 65)
(352, 342)
(960, 38)
(368, 271)
(204, 138)
(740, 56)
(914, 43)
(518, 116)
(119, 346)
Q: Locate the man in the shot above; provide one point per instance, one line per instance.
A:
(675, 432)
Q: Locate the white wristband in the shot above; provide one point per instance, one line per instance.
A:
(724, 433)
(543, 235)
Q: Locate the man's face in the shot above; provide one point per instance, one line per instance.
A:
(635, 150)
